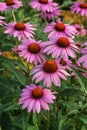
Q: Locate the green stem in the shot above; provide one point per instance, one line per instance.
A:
(45, 17)
(57, 103)
(28, 69)
(28, 66)
(28, 18)
(13, 15)
(84, 90)
(53, 19)
(40, 117)
(48, 119)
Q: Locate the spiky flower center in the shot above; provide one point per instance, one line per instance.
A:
(60, 27)
(10, 2)
(43, 1)
(20, 26)
(63, 42)
(50, 66)
(37, 93)
(83, 5)
(34, 48)
(62, 62)
(49, 12)
(78, 29)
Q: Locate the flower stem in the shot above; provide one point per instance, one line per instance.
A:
(40, 117)
(57, 103)
(13, 15)
(53, 19)
(85, 91)
(28, 69)
(45, 17)
(28, 66)
(48, 119)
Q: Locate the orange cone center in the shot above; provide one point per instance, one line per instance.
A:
(37, 93)
(20, 26)
(83, 5)
(50, 66)
(10, 2)
(60, 27)
(63, 42)
(43, 1)
(34, 48)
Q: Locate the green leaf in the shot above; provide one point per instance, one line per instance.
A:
(72, 112)
(33, 128)
(66, 3)
(65, 123)
(84, 128)
(83, 118)
(24, 120)
(82, 80)
(5, 122)
(82, 69)
(71, 92)
(19, 75)
(8, 107)
(35, 121)
(70, 105)
(84, 106)
(7, 47)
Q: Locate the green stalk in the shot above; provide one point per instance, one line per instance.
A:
(48, 119)
(45, 17)
(57, 104)
(13, 15)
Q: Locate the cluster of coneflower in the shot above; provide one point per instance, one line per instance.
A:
(60, 46)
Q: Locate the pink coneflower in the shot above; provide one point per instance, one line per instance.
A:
(62, 47)
(32, 50)
(60, 29)
(43, 5)
(1, 22)
(49, 71)
(51, 15)
(20, 30)
(75, 66)
(65, 63)
(10, 4)
(34, 98)
(80, 7)
(15, 49)
(80, 30)
(83, 58)
(2, 6)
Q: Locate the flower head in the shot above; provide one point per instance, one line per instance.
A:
(10, 4)
(1, 22)
(83, 58)
(20, 30)
(65, 63)
(51, 15)
(43, 5)
(76, 67)
(80, 7)
(49, 71)
(60, 29)
(32, 50)
(80, 30)
(62, 47)
(15, 49)
(34, 98)
(2, 6)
